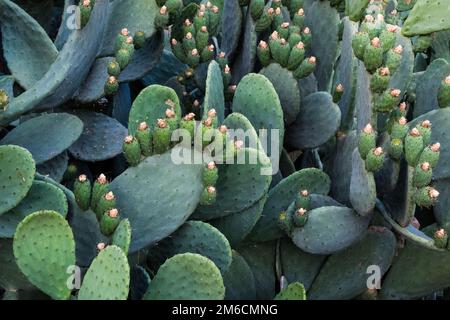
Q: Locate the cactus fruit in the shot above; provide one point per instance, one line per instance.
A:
(162, 17)
(374, 159)
(373, 55)
(82, 191)
(360, 42)
(426, 197)
(299, 18)
(380, 80)
(444, 93)
(394, 58)
(121, 38)
(388, 37)
(367, 140)
(209, 195)
(210, 174)
(111, 86)
(338, 92)
(161, 136)
(109, 222)
(123, 57)
(388, 100)
(296, 56)
(265, 20)
(425, 131)
(399, 129)
(303, 199)
(132, 150)
(139, 39)
(431, 155)
(114, 69)
(106, 202)
(396, 149)
(300, 217)
(306, 68)
(99, 188)
(440, 237)
(264, 53)
(422, 175)
(85, 12)
(144, 137)
(413, 146)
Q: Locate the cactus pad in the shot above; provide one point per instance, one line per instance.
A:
(214, 92)
(294, 291)
(16, 175)
(44, 249)
(122, 236)
(426, 17)
(55, 168)
(363, 191)
(238, 274)
(11, 278)
(187, 276)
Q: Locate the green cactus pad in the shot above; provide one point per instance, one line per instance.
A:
(294, 291)
(345, 274)
(237, 226)
(187, 276)
(363, 97)
(318, 121)
(214, 98)
(195, 237)
(246, 53)
(87, 234)
(239, 280)
(108, 277)
(318, 236)
(122, 236)
(239, 185)
(169, 66)
(26, 46)
(323, 20)
(155, 96)
(417, 271)
(232, 19)
(297, 265)
(11, 278)
(257, 99)
(41, 196)
(55, 168)
(140, 17)
(287, 89)
(261, 259)
(404, 74)
(16, 175)
(44, 249)
(46, 136)
(160, 184)
(427, 86)
(440, 45)
(355, 9)
(93, 87)
(101, 139)
(427, 17)
(281, 196)
(363, 191)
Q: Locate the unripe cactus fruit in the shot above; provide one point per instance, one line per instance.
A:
(188, 124)
(440, 238)
(128, 44)
(82, 191)
(201, 38)
(373, 55)
(296, 56)
(360, 42)
(302, 200)
(374, 159)
(162, 18)
(171, 117)
(394, 58)
(144, 137)
(387, 100)
(306, 68)
(109, 222)
(208, 197)
(396, 149)
(285, 222)
(263, 52)
(101, 246)
(114, 69)
(193, 58)
(188, 27)
(425, 131)
(299, 18)
(444, 93)
(139, 39)
(277, 18)
(306, 37)
(214, 20)
(388, 37)
(222, 59)
(200, 19)
(300, 217)
(294, 37)
(132, 150)
(121, 38)
(210, 174)
(207, 53)
(399, 129)
(4, 100)
(98, 190)
(380, 80)
(426, 197)
(226, 76)
(111, 86)
(106, 202)
(413, 147)
(174, 5)
(178, 50)
(123, 57)
(367, 140)
(431, 154)
(265, 20)
(161, 137)
(283, 30)
(422, 175)
(338, 92)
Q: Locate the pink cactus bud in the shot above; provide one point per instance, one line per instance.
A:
(369, 18)
(211, 165)
(102, 179)
(174, 42)
(440, 233)
(124, 32)
(274, 35)
(223, 129)
(188, 36)
(263, 45)
(170, 103)
(101, 246)
(394, 12)
(426, 124)
(143, 126)
(392, 28)
(340, 88)
(187, 22)
(211, 47)
(202, 7)
(212, 113)
(239, 144)
(128, 139)
(304, 193)
(82, 178)
(278, 11)
(232, 88)
(196, 104)
(300, 45)
(161, 123)
(112, 80)
(378, 151)
(163, 10)
(402, 121)
(285, 25)
(208, 122)
(211, 189)
(283, 41)
(384, 71)
(398, 49)
(194, 52)
(403, 106)
(270, 11)
(227, 69)
(201, 13)
(312, 60)
(113, 213)
(414, 132)
(215, 9)
(395, 92)
(189, 117)
(433, 193)
(425, 166)
(204, 29)
(447, 80)
(300, 212)
(86, 3)
(170, 113)
(301, 12)
(129, 40)
(436, 147)
(222, 55)
(208, 4)
(376, 42)
(307, 30)
(109, 196)
(368, 129)
(380, 17)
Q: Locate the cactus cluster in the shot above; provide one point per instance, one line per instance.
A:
(224, 149)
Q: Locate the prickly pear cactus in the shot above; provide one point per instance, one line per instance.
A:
(237, 149)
